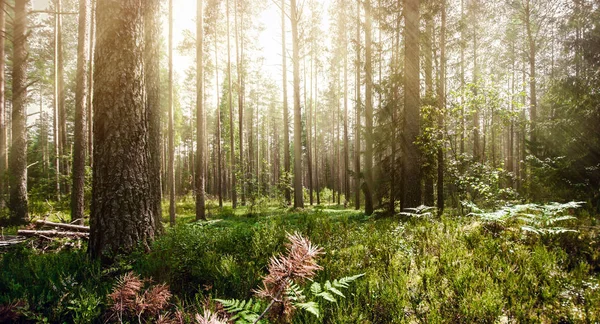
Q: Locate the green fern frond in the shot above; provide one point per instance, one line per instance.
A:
(345, 282)
(243, 311)
(310, 307)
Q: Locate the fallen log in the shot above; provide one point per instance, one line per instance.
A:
(52, 233)
(72, 227)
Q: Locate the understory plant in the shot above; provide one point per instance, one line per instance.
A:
(282, 286)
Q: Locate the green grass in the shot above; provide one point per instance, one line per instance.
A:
(450, 269)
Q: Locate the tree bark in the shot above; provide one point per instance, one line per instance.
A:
(152, 30)
(286, 117)
(442, 112)
(123, 201)
(368, 112)
(298, 194)
(3, 122)
(357, 174)
(231, 126)
(80, 145)
(411, 173)
(200, 159)
(171, 162)
(19, 213)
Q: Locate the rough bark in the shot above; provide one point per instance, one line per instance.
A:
(18, 151)
(80, 144)
(411, 173)
(123, 201)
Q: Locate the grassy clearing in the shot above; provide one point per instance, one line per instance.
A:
(449, 269)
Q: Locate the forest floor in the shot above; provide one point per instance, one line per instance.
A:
(417, 268)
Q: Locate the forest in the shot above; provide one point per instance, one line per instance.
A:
(299, 161)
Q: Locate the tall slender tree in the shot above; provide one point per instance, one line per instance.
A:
(298, 193)
(80, 136)
(3, 122)
(19, 213)
(286, 116)
(171, 162)
(201, 154)
(368, 188)
(411, 173)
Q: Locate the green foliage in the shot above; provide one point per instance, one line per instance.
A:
(243, 311)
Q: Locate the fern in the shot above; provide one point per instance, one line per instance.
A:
(243, 311)
(418, 212)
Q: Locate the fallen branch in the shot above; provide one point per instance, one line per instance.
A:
(11, 240)
(52, 233)
(78, 228)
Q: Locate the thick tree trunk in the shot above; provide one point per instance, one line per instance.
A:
(200, 159)
(411, 173)
(298, 194)
(80, 144)
(18, 151)
(123, 203)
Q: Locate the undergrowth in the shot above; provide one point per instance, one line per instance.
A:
(418, 269)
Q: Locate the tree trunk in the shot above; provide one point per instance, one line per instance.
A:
(3, 122)
(90, 72)
(219, 175)
(200, 159)
(171, 162)
(428, 48)
(231, 126)
(442, 113)
(357, 175)
(411, 175)
(152, 30)
(286, 117)
(18, 151)
(298, 194)
(123, 202)
(80, 145)
(368, 112)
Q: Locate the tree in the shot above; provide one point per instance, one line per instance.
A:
(152, 29)
(3, 122)
(298, 193)
(411, 174)
(171, 166)
(18, 151)
(368, 188)
(286, 117)
(123, 212)
(357, 177)
(442, 111)
(231, 126)
(200, 159)
(80, 144)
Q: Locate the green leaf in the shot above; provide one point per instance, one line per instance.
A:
(310, 307)
(327, 296)
(315, 288)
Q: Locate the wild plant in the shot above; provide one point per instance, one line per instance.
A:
(127, 299)
(281, 286)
